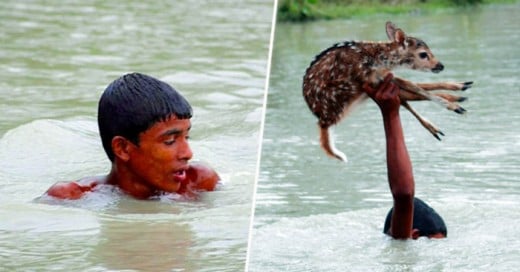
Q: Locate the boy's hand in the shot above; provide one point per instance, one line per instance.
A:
(386, 95)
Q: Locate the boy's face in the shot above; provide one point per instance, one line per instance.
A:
(161, 159)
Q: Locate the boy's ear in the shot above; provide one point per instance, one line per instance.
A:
(121, 147)
(415, 234)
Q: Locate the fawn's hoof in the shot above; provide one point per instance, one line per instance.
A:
(466, 85)
(436, 135)
(460, 110)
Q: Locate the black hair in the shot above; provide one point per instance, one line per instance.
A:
(133, 103)
(425, 219)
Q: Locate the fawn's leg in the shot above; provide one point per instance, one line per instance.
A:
(412, 96)
(414, 88)
(451, 98)
(451, 86)
(426, 124)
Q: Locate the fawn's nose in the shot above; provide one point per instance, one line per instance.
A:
(439, 67)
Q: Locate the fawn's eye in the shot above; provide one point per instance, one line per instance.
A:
(423, 55)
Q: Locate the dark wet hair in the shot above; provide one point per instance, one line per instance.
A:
(425, 219)
(133, 103)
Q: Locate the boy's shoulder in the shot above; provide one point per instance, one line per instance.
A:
(75, 189)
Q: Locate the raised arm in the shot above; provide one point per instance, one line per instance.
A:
(400, 174)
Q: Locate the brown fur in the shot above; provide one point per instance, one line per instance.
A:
(333, 82)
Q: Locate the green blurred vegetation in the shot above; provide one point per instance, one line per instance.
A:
(304, 10)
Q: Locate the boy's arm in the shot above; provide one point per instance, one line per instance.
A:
(400, 174)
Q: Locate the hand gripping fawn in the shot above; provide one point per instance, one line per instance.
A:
(332, 84)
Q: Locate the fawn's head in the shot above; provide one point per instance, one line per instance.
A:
(415, 52)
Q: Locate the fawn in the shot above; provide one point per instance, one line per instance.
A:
(333, 82)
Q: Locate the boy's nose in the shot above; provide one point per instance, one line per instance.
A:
(185, 152)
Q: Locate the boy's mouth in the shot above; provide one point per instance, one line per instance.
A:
(180, 175)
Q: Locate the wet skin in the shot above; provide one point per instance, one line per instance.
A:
(399, 165)
(158, 164)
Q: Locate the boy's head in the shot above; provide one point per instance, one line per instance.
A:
(133, 103)
(428, 222)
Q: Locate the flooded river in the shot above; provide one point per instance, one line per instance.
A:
(56, 59)
(314, 213)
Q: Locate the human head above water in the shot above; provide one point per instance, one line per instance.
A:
(428, 222)
(135, 102)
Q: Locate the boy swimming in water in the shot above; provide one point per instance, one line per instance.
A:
(144, 126)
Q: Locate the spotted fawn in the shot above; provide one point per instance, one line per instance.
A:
(333, 82)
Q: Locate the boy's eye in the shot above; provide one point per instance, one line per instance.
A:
(170, 141)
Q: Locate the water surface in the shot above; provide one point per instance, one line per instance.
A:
(56, 59)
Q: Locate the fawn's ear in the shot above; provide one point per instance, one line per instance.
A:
(390, 30)
(400, 37)
(395, 34)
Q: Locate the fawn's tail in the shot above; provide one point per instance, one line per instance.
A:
(328, 144)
